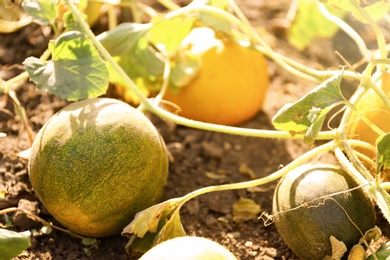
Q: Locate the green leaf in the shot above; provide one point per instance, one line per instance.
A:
(170, 33)
(309, 23)
(42, 11)
(383, 153)
(76, 70)
(154, 225)
(214, 20)
(13, 243)
(376, 10)
(128, 44)
(382, 253)
(306, 116)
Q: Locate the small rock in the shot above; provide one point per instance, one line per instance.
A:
(212, 152)
(22, 220)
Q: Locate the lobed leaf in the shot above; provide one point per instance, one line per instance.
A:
(42, 11)
(76, 70)
(128, 44)
(13, 243)
(170, 33)
(306, 116)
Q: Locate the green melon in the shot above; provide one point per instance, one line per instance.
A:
(307, 213)
(96, 163)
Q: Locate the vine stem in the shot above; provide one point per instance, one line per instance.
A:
(347, 29)
(370, 84)
(379, 35)
(154, 108)
(261, 181)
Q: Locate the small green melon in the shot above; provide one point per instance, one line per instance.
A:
(306, 214)
(96, 163)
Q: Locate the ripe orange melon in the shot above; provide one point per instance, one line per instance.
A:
(231, 83)
(96, 163)
(372, 106)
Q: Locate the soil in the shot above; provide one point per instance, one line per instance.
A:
(197, 155)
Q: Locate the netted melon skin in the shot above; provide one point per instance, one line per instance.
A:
(95, 164)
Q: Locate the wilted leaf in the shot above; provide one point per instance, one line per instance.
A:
(307, 115)
(383, 154)
(245, 209)
(338, 248)
(153, 225)
(172, 228)
(76, 70)
(13, 243)
(309, 23)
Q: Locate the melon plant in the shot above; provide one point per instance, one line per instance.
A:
(316, 201)
(96, 163)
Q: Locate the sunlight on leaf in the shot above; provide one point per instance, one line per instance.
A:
(13, 243)
(170, 33)
(128, 44)
(154, 225)
(309, 23)
(375, 10)
(383, 154)
(42, 11)
(307, 115)
(214, 20)
(76, 70)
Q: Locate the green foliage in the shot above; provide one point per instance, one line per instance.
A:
(383, 149)
(42, 11)
(309, 23)
(13, 243)
(306, 116)
(375, 10)
(129, 46)
(76, 70)
(382, 253)
(170, 33)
